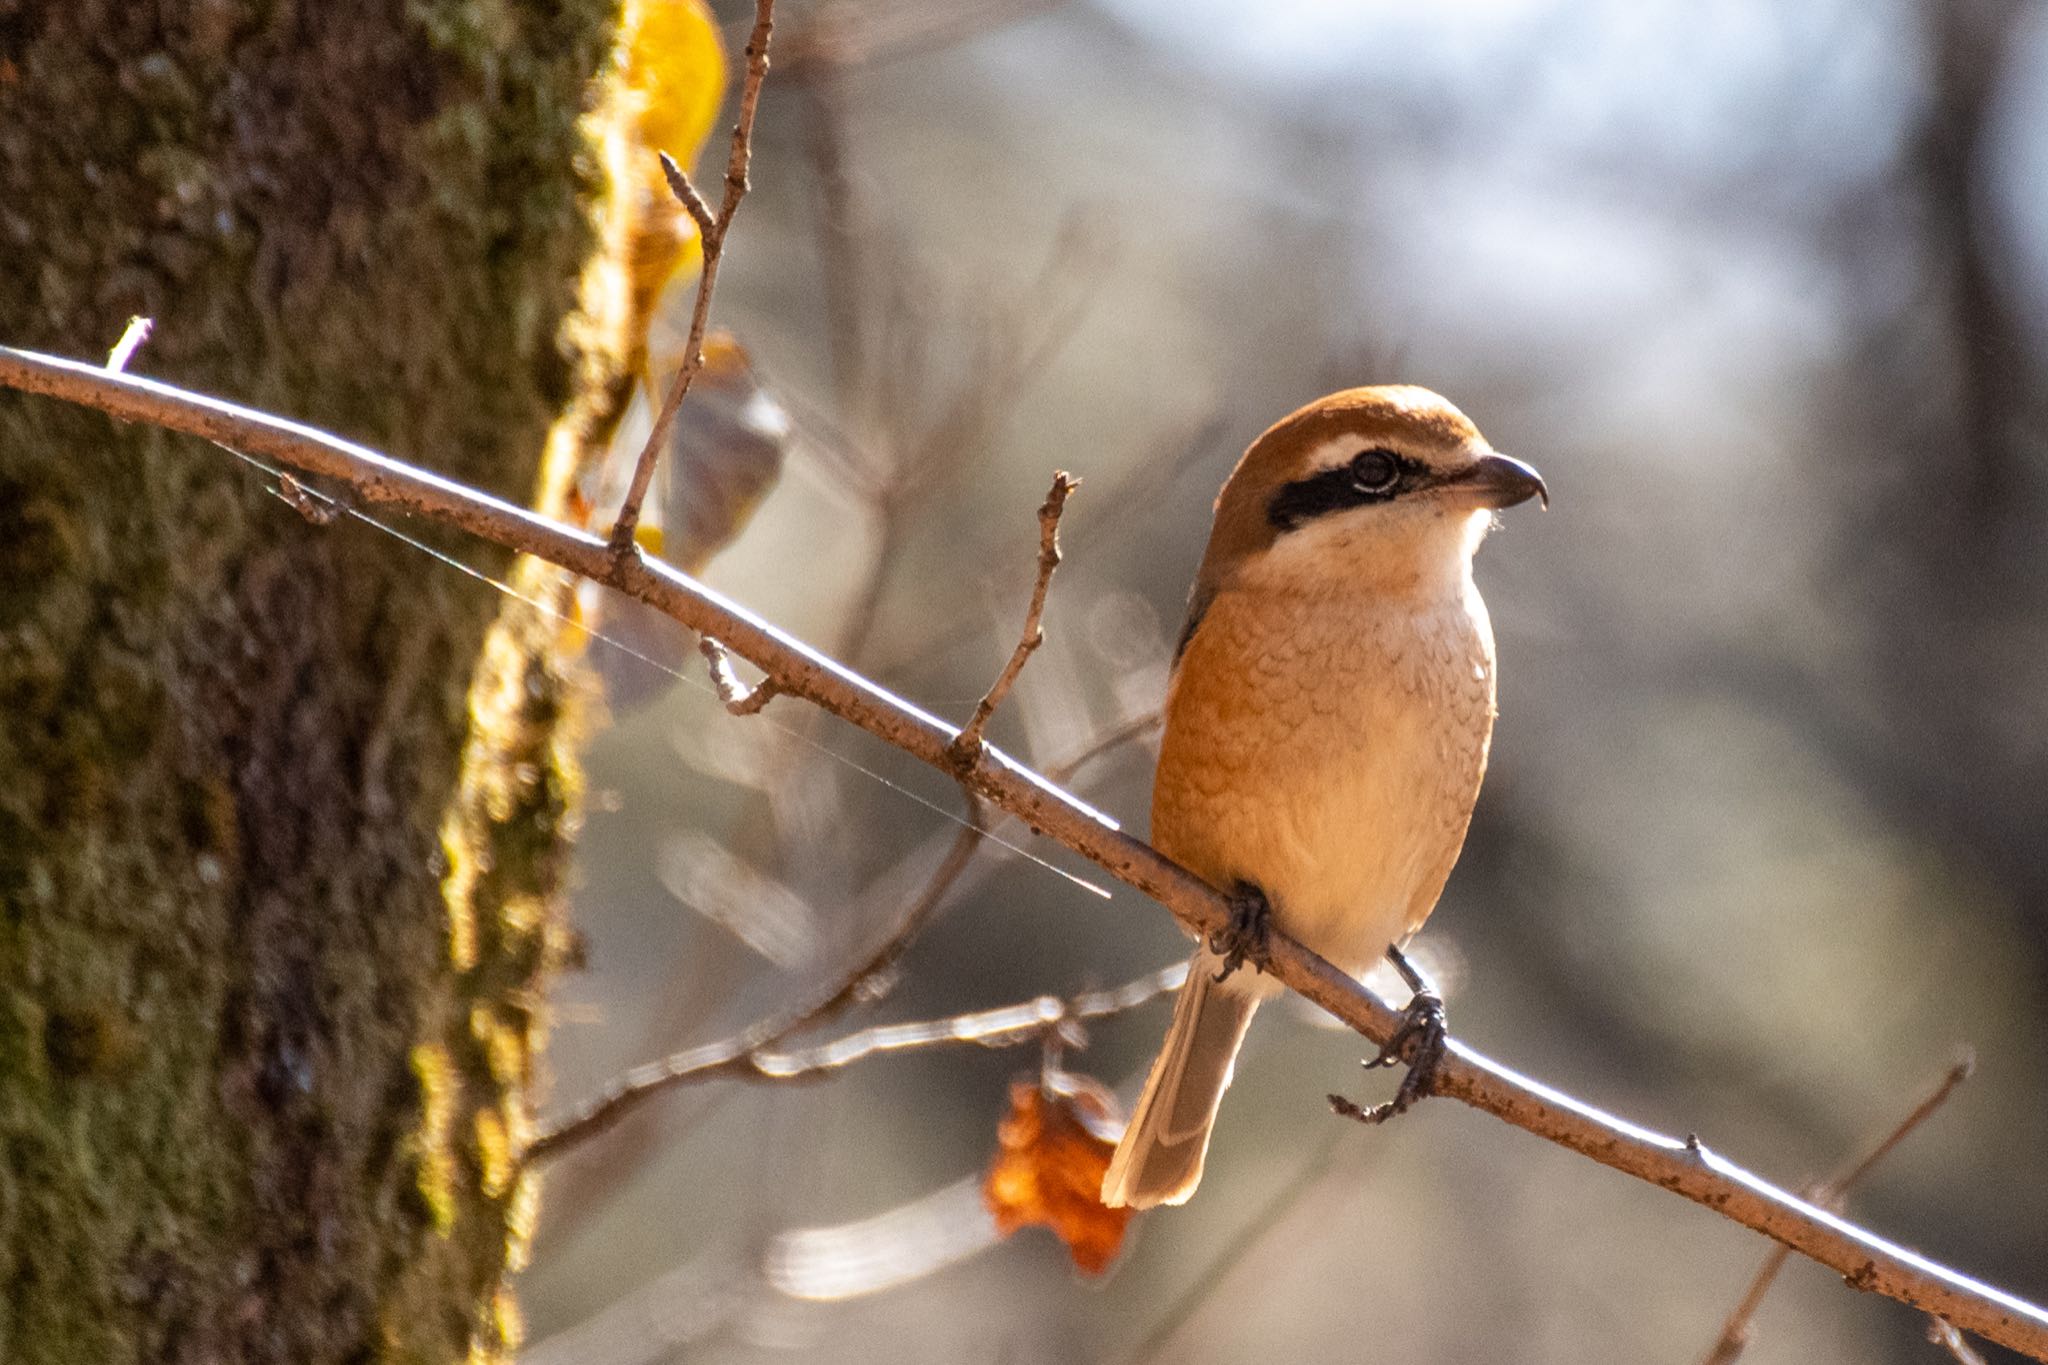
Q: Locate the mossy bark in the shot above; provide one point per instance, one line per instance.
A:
(282, 808)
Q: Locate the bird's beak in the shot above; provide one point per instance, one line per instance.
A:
(1495, 481)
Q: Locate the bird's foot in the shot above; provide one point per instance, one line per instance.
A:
(1248, 936)
(1419, 1041)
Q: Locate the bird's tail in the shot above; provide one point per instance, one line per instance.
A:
(1159, 1160)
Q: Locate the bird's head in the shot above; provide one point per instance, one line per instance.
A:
(1376, 487)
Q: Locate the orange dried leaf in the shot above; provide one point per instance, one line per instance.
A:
(1052, 1148)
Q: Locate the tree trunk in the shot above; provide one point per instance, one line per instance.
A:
(282, 810)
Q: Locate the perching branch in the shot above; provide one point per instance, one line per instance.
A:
(969, 738)
(714, 250)
(1686, 1167)
(1734, 1338)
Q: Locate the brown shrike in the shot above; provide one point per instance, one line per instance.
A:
(1327, 724)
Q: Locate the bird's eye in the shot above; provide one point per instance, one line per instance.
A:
(1375, 471)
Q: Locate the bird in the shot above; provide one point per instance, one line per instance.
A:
(1327, 724)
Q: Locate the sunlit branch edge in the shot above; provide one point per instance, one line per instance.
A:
(1687, 1167)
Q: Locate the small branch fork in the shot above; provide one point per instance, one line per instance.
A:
(1689, 1168)
(1830, 1194)
(967, 744)
(712, 231)
(737, 696)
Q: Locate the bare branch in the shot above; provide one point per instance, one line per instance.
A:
(714, 249)
(1960, 1070)
(969, 738)
(1735, 1333)
(737, 696)
(1687, 1167)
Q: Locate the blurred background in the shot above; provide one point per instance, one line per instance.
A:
(1761, 287)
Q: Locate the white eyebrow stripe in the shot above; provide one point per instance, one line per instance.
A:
(1341, 450)
(1332, 454)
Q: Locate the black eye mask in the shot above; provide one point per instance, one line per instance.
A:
(1374, 475)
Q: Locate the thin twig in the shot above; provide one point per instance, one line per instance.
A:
(1686, 1167)
(739, 699)
(132, 338)
(1007, 1026)
(969, 738)
(1945, 1335)
(1735, 1333)
(707, 280)
(686, 194)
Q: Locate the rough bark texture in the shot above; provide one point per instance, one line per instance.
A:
(276, 850)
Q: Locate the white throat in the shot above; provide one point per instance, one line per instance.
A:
(1421, 551)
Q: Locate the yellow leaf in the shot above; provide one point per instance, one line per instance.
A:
(670, 78)
(674, 70)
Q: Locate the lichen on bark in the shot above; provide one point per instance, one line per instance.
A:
(282, 810)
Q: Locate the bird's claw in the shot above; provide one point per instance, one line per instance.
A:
(1419, 1042)
(1247, 937)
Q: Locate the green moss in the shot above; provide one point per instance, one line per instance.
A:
(238, 1063)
